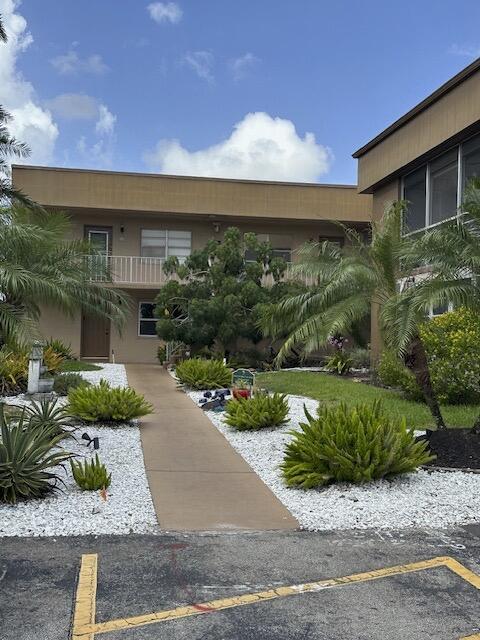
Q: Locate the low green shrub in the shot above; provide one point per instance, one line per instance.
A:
(49, 414)
(358, 445)
(259, 412)
(391, 372)
(92, 475)
(62, 349)
(340, 362)
(203, 374)
(103, 403)
(66, 381)
(27, 455)
(452, 343)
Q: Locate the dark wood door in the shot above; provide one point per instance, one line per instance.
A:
(95, 337)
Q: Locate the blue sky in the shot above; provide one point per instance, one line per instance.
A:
(161, 86)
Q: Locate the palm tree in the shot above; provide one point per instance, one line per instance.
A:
(353, 280)
(39, 267)
(453, 252)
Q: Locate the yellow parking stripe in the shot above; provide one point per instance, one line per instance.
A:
(86, 630)
(85, 602)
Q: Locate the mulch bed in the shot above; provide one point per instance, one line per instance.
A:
(455, 448)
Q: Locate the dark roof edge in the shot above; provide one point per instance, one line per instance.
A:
(421, 106)
(179, 177)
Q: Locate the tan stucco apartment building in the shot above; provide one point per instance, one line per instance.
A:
(138, 220)
(426, 157)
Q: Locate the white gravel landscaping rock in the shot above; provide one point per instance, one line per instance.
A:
(421, 499)
(128, 508)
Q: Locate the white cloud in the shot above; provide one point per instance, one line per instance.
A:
(165, 12)
(71, 63)
(74, 106)
(100, 154)
(106, 121)
(31, 123)
(260, 147)
(240, 66)
(467, 51)
(201, 62)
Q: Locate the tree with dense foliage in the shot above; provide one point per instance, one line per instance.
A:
(39, 266)
(352, 279)
(218, 292)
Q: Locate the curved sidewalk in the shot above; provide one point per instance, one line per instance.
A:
(197, 480)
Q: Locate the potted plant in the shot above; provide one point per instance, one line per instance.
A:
(241, 390)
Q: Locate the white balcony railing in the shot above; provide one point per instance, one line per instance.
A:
(129, 270)
(139, 270)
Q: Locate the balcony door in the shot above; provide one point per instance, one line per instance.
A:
(100, 239)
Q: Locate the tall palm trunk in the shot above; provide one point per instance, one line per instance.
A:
(416, 362)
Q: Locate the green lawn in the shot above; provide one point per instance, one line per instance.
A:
(78, 365)
(332, 389)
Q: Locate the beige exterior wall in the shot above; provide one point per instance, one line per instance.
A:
(131, 192)
(455, 111)
(295, 232)
(125, 347)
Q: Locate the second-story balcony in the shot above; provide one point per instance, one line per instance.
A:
(142, 271)
(129, 270)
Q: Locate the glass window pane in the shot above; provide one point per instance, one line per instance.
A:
(471, 159)
(443, 186)
(414, 192)
(153, 243)
(146, 310)
(99, 241)
(147, 328)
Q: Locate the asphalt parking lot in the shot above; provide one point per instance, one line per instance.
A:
(292, 585)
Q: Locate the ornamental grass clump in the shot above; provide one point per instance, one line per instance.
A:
(259, 412)
(28, 454)
(103, 403)
(92, 475)
(203, 374)
(358, 445)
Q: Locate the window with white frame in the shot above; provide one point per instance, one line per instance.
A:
(164, 243)
(281, 246)
(146, 319)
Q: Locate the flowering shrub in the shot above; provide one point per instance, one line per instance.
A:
(452, 342)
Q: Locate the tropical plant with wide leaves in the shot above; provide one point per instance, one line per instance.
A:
(353, 280)
(39, 266)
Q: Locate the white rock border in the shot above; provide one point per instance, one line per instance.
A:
(72, 512)
(422, 499)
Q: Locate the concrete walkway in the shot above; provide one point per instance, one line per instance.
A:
(197, 480)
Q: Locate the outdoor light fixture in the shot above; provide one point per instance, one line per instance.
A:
(94, 441)
(122, 233)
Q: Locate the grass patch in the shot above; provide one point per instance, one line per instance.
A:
(332, 390)
(78, 365)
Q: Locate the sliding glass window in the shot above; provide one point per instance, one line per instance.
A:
(443, 186)
(471, 160)
(415, 193)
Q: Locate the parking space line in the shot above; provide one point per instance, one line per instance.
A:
(85, 602)
(85, 627)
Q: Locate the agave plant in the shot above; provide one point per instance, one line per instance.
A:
(28, 456)
(48, 414)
